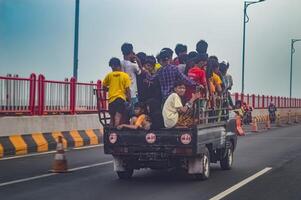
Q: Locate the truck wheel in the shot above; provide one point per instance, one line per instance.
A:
(227, 161)
(125, 174)
(205, 162)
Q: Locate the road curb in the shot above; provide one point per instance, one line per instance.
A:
(21, 144)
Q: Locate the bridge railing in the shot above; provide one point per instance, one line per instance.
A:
(263, 101)
(38, 96)
(17, 95)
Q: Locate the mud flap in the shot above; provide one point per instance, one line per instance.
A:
(195, 166)
(118, 164)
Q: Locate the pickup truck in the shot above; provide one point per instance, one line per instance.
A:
(192, 149)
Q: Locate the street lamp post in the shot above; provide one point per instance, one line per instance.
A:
(291, 69)
(246, 20)
(75, 55)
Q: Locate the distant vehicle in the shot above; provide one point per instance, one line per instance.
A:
(192, 149)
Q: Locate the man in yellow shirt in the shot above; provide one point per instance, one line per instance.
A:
(118, 84)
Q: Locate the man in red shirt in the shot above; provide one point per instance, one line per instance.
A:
(198, 74)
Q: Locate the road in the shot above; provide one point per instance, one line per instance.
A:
(93, 176)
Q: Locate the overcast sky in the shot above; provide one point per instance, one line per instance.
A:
(37, 36)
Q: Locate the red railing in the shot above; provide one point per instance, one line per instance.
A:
(262, 101)
(38, 96)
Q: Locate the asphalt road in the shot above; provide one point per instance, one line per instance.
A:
(93, 178)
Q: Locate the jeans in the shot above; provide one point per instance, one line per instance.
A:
(134, 100)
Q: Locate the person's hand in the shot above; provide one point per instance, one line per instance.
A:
(195, 96)
(120, 127)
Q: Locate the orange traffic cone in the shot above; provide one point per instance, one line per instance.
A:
(254, 125)
(239, 129)
(267, 122)
(60, 161)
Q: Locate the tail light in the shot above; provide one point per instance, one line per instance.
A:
(150, 138)
(185, 138)
(113, 138)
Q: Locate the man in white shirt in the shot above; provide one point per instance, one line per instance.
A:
(132, 66)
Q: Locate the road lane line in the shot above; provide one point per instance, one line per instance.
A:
(25, 179)
(52, 174)
(90, 166)
(49, 152)
(88, 147)
(240, 184)
(28, 155)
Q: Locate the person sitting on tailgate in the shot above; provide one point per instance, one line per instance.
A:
(140, 120)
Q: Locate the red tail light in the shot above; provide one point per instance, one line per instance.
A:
(113, 138)
(185, 138)
(150, 138)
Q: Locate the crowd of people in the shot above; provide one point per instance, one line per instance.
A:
(154, 92)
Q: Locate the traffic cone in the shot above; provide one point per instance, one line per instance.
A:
(267, 122)
(289, 117)
(254, 125)
(239, 129)
(278, 117)
(60, 162)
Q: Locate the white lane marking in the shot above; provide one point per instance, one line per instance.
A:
(29, 155)
(240, 184)
(52, 174)
(49, 152)
(88, 147)
(90, 166)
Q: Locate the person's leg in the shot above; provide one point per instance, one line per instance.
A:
(119, 108)
(112, 113)
(117, 119)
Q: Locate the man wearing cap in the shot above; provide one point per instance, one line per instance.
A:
(168, 74)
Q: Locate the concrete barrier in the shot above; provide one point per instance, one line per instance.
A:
(31, 124)
(47, 141)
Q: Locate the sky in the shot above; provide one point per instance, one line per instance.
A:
(37, 36)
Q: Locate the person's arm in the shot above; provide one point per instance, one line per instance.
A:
(189, 104)
(185, 79)
(127, 126)
(219, 89)
(128, 94)
(138, 62)
(150, 77)
(137, 67)
(231, 82)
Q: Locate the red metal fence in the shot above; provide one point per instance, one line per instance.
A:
(262, 101)
(37, 96)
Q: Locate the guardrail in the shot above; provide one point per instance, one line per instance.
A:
(263, 101)
(37, 96)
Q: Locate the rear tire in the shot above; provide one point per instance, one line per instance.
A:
(205, 166)
(125, 174)
(227, 162)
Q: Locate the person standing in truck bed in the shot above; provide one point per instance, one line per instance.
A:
(118, 83)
